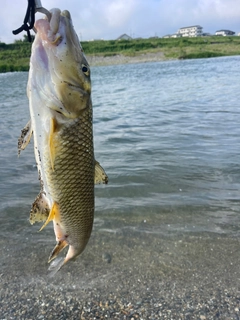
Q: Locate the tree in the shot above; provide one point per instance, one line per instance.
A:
(25, 38)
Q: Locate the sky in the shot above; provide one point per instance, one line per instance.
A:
(108, 19)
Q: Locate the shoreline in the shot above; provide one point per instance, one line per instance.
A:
(95, 60)
(148, 276)
(120, 59)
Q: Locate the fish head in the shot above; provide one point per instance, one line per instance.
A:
(58, 67)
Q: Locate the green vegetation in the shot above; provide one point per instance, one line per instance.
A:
(15, 57)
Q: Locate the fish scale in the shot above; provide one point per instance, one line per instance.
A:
(59, 91)
(71, 173)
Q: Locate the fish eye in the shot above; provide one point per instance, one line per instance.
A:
(85, 69)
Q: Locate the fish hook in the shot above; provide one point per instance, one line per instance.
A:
(29, 20)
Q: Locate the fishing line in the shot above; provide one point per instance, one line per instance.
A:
(30, 16)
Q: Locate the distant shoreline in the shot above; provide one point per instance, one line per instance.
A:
(97, 60)
(15, 56)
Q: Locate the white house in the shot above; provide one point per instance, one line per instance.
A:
(192, 31)
(224, 33)
(124, 37)
(176, 35)
(167, 36)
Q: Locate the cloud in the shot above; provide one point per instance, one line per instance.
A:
(94, 19)
(119, 12)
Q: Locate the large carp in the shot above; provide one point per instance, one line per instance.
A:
(59, 92)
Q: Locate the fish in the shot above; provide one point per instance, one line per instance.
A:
(61, 123)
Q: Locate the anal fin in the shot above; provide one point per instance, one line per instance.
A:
(53, 214)
(40, 209)
(100, 174)
(25, 137)
(58, 248)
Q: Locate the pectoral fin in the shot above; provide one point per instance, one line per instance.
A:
(100, 174)
(40, 209)
(53, 214)
(25, 137)
(51, 141)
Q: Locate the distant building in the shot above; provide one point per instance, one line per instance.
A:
(192, 31)
(206, 34)
(124, 37)
(167, 36)
(176, 35)
(95, 40)
(224, 33)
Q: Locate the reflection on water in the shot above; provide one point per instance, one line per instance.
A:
(165, 242)
(166, 133)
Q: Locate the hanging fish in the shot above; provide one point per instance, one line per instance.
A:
(59, 92)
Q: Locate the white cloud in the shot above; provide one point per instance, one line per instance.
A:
(142, 18)
(119, 12)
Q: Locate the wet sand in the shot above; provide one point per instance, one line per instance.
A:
(121, 59)
(126, 274)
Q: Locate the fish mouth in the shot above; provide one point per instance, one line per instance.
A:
(51, 31)
(53, 36)
(57, 38)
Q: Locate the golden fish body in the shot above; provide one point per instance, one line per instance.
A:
(59, 91)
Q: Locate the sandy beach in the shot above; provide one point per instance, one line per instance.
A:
(121, 59)
(181, 277)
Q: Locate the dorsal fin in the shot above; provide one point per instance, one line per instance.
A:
(100, 174)
(25, 137)
(40, 209)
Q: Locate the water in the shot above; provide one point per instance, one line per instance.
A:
(166, 133)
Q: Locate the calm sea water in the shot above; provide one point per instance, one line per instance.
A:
(167, 134)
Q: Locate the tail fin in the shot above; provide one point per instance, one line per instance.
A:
(55, 266)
